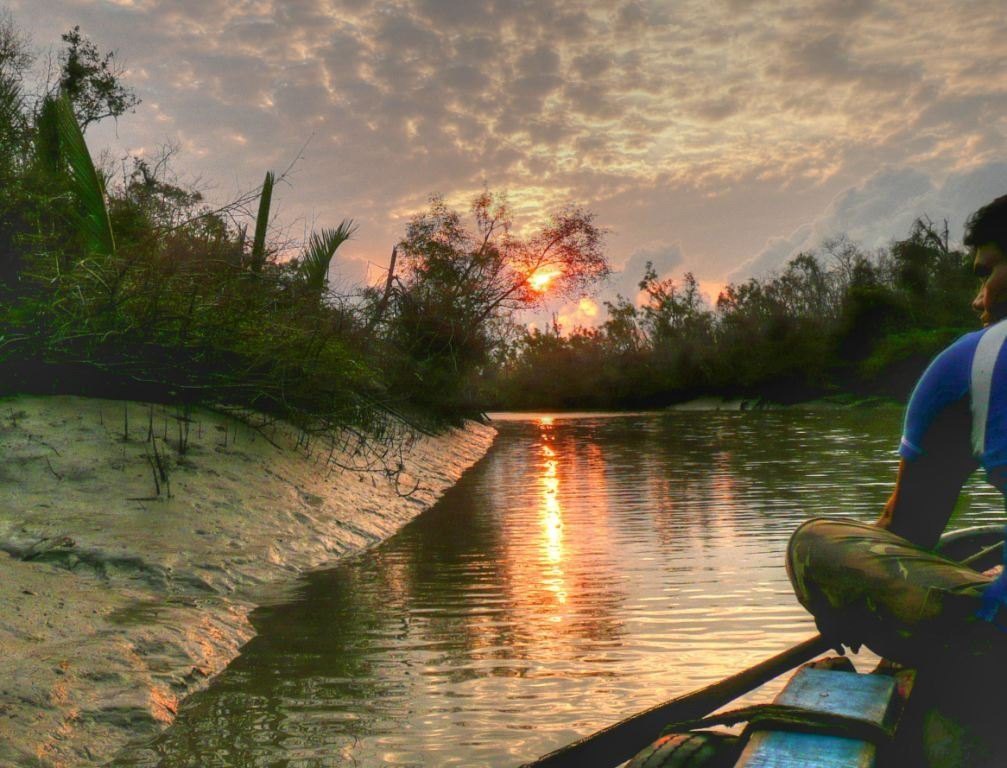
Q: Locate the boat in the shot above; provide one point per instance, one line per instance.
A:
(827, 716)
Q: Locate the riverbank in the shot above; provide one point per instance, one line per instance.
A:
(135, 539)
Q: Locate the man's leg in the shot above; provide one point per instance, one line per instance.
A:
(865, 584)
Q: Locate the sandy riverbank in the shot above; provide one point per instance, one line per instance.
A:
(117, 599)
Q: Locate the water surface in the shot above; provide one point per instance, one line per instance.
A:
(587, 568)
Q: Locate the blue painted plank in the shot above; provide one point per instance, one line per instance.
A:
(786, 749)
(866, 697)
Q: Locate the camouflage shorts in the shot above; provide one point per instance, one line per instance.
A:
(866, 585)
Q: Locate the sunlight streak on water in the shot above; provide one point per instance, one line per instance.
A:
(588, 568)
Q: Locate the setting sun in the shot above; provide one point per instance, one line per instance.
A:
(540, 280)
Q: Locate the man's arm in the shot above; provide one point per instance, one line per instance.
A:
(936, 448)
(926, 490)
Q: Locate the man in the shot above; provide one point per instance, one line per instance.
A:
(880, 584)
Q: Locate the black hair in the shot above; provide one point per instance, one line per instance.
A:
(988, 225)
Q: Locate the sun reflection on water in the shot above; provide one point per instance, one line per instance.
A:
(589, 568)
(551, 516)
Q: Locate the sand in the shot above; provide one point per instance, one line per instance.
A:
(135, 539)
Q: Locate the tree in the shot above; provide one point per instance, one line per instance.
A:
(15, 59)
(804, 290)
(489, 272)
(313, 265)
(622, 327)
(153, 193)
(92, 81)
(460, 286)
(258, 258)
(673, 312)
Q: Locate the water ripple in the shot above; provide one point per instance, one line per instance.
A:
(588, 568)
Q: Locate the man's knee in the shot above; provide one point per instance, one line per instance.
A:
(822, 548)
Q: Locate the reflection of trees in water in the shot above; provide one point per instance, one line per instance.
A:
(716, 470)
(715, 487)
(826, 462)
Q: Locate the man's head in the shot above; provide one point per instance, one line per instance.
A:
(986, 234)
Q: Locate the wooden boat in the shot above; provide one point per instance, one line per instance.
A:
(827, 716)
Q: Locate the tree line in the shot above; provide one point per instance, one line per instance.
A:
(122, 282)
(840, 321)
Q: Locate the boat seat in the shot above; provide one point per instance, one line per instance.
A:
(872, 699)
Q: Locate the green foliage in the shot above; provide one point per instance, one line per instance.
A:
(136, 290)
(262, 224)
(313, 266)
(869, 312)
(897, 359)
(15, 59)
(12, 128)
(48, 157)
(85, 182)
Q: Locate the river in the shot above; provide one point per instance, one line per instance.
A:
(588, 567)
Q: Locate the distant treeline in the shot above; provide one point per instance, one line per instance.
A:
(839, 321)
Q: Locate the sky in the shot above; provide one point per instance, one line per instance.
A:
(716, 136)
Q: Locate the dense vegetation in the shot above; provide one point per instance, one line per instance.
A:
(131, 286)
(838, 322)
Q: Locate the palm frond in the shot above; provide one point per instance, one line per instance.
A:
(314, 264)
(86, 184)
(261, 223)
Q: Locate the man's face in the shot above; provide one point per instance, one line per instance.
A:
(990, 264)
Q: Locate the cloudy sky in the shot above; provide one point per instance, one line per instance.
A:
(718, 136)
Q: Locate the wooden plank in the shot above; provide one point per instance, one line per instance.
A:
(865, 697)
(786, 749)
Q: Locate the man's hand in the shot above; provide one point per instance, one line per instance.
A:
(837, 632)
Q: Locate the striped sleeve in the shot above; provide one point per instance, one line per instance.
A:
(944, 383)
(989, 398)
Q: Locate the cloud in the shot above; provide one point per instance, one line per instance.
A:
(584, 313)
(739, 130)
(456, 13)
(882, 209)
(625, 281)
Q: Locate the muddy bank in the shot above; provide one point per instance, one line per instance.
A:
(135, 539)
